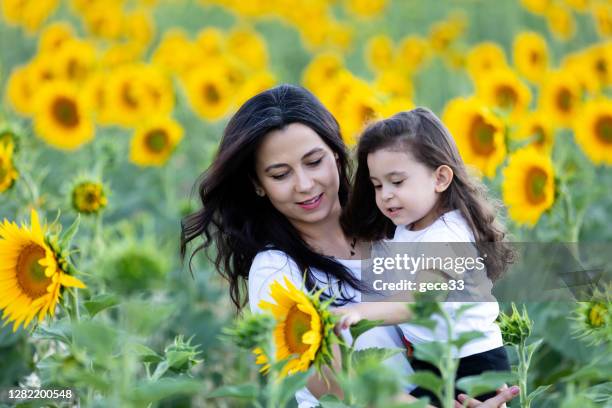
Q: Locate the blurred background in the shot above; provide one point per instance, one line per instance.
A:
(112, 109)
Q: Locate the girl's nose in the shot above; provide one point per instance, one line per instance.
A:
(304, 182)
(387, 193)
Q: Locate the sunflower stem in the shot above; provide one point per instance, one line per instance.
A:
(74, 312)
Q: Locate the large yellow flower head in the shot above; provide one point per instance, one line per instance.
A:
(365, 8)
(536, 128)
(8, 173)
(61, 117)
(359, 107)
(504, 90)
(593, 130)
(54, 36)
(530, 54)
(32, 273)
(485, 58)
(304, 331)
(528, 188)
(75, 60)
(322, 70)
(412, 52)
(536, 6)
(560, 21)
(478, 132)
(248, 46)
(154, 142)
(379, 52)
(602, 14)
(88, 196)
(209, 91)
(560, 97)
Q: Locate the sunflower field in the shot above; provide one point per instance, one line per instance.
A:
(111, 109)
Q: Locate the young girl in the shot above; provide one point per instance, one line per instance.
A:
(412, 185)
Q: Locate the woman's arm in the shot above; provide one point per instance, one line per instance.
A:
(389, 312)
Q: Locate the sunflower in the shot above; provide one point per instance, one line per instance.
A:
(394, 82)
(153, 143)
(365, 8)
(103, 20)
(394, 105)
(593, 130)
(8, 174)
(560, 22)
(359, 107)
(304, 332)
(256, 83)
(54, 36)
(209, 91)
(536, 128)
(379, 52)
(412, 52)
(20, 90)
(211, 42)
(528, 186)
(592, 320)
(503, 89)
(560, 97)
(32, 273)
(478, 132)
(536, 6)
(530, 53)
(443, 33)
(248, 46)
(89, 197)
(602, 14)
(75, 60)
(176, 53)
(598, 61)
(322, 70)
(61, 117)
(261, 359)
(138, 28)
(485, 58)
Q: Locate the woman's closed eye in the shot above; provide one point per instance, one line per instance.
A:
(397, 183)
(377, 186)
(315, 163)
(279, 176)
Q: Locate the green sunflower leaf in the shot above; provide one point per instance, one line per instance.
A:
(100, 302)
(362, 327)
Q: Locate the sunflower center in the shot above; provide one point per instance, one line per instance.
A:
(506, 96)
(65, 112)
(534, 57)
(30, 274)
(601, 67)
(127, 95)
(296, 325)
(366, 113)
(481, 136)
(540, 135)
(211, 94)
(603, 129)
(536, 182)
(596, 315)
(156, 140)
(564, 100)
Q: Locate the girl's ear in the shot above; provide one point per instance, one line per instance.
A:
(444, 176)
(258, 189)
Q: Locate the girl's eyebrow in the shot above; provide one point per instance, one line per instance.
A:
(396, 173)
(277, 165)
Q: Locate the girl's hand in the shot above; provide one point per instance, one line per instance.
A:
(504, 395)
(349, 316)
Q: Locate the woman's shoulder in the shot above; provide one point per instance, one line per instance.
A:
(268, 266)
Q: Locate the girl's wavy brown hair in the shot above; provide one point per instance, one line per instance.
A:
(422, 133)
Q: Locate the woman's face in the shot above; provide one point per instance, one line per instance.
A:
(299, 174)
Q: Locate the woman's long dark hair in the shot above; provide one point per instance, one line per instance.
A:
(423, 134)
(237, 221)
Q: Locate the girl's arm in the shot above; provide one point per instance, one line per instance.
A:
(389, 312)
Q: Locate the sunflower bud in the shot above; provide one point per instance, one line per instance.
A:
(250, 330)
(515, 328)
(181, 355)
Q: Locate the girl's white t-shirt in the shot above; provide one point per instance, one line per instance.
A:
(273, 265)
(452, 227)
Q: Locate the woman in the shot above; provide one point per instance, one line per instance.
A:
(272, 200)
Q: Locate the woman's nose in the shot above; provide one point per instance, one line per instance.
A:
(304, 182)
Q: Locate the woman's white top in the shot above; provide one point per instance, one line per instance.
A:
(452, 227)
(272, 265)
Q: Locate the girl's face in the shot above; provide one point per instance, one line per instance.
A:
(299, 174)
(406, 190)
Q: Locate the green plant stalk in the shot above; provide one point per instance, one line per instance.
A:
(523, 368)
(448, 368)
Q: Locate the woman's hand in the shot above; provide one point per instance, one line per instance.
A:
(504, 395)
